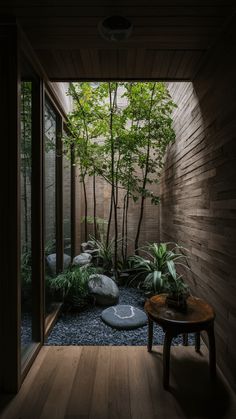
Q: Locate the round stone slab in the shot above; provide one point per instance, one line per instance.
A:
(124, 317)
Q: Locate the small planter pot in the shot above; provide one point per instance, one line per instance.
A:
(178, 303)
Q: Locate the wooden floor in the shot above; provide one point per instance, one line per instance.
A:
(119, 383)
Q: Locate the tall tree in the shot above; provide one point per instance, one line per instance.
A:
(82, 127)
(120, 132)
(150, 107)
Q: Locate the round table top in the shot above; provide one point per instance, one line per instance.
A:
(198, 311)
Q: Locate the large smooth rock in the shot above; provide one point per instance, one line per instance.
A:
(52, 262)
(104, 289)
(124, 317)
(82, 259)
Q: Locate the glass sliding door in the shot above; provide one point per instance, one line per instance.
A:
(21, 208)
(30, 216)
(30, 186)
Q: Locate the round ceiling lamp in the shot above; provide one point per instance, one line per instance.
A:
(115, 28)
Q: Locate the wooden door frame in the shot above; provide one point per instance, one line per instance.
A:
(14, 47)
(9, 216)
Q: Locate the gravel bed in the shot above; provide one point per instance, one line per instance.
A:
(87, 327)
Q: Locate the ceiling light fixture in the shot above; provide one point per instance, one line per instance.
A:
(115, 28)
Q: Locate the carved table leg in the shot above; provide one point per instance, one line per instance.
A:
(150, 334)
(212, 351)
(166, 359)
(197, 342)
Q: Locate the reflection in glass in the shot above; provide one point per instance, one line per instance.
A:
(67, 202)
(50, 135)
(25, 177)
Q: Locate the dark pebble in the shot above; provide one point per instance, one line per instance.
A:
(87, 328)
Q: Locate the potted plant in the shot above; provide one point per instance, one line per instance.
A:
(177, 292)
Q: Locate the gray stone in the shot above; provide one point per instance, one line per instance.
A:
(52, 262)
(104, 289)
(93, 252)
(66, 261)
(82, 259)
(124, 317)
(89, 245)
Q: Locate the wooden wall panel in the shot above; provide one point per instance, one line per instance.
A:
(198, 207)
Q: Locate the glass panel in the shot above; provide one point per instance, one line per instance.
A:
(26, 176)
(67, 202)
(50, 134)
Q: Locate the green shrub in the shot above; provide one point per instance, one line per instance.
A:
(73, 284)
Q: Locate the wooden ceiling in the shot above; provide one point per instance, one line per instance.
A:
(169, 39)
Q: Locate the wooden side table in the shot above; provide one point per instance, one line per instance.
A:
(199, 316)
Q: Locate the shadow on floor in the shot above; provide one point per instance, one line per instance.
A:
(197, 395)
(5, 399)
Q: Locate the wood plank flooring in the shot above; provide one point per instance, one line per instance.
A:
(113, 382)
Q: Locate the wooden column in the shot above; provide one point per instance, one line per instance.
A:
(9, 214)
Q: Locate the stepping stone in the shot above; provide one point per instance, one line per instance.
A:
(124, 317)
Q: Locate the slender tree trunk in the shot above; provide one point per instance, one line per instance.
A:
(83, 175)
(109, 220)
(85, 209)
(115, 235)
(94, 207)
(146, 171)
(116, 178)
(123, 229)
(113, 194)
(126, 225)
(136, 243)
(116, 200)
